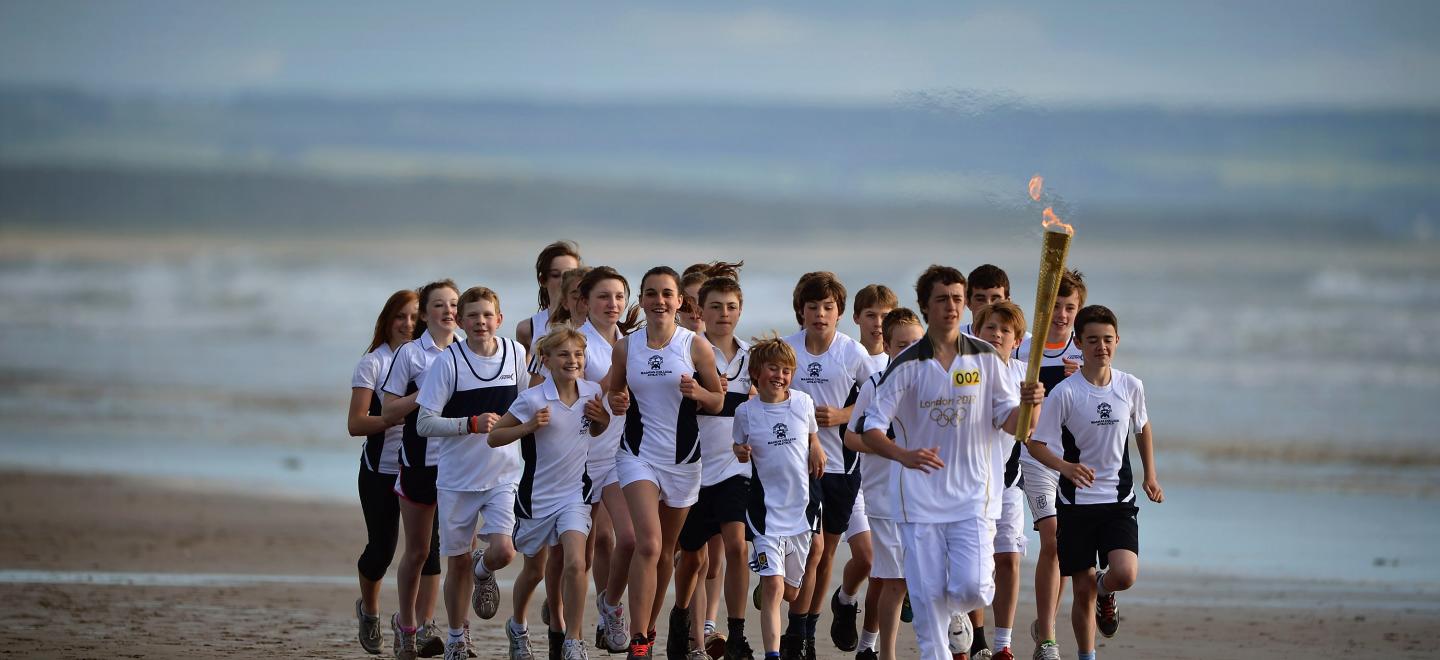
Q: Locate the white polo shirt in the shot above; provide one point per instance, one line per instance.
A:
(381, 451)
(553, 474)
(829, 379)
(1086, 424)
(955, 410)
(407, 372)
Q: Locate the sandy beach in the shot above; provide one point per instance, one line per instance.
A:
(100, 566)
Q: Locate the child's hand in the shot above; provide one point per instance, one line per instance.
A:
(541, 419)
(742, 452)
(595, 410)
(620, 402)
(688, 386)
(483, 423)
(1153, 490)
(1032, 393)
(1071, 366)
(817, 460)
(392, 419)
(923, 460)
(1081, 474)
(828, 416)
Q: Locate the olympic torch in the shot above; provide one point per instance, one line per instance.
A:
(1052, 266)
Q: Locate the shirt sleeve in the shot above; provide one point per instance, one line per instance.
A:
(888, 392)
(524, 406)
(810, 422)
(1138, 412)
(863, 368)
(1052, 412)
(367, 373)
(436, 384)
(398, 375)
(738, 429)
(1004, 392)
(862, 401)
(430, 424)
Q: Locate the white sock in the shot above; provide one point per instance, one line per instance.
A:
(456, 634)
(480, 571)
(573, 643)
(846, 599)
(709, 627)
(1002, 638)
(867, 640)
(516, 628)
(1100, 583)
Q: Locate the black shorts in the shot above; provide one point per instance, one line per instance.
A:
(417, 484)
(1088, 532)
(837, 500)
(718, 504)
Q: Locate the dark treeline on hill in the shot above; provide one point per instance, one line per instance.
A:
(141, 201)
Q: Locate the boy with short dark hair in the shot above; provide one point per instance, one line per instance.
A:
(1088, 417)
(831, 366)
(872, 303)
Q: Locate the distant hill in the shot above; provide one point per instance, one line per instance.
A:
(306, 163)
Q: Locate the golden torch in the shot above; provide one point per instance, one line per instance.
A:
(1052, 266)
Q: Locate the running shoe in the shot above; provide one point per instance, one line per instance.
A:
(485, 598)
(370, 638)
(867, 654)
(983, 654)
(1107, 619)
(807, 649)
(789, 647)
(519, 644)
(404, 642)
(696, 653)
(1003, 654)
(677, 640)
(715, 646)
(469, 647)
(428, 641)
(456, 650)
(574, 650)
(961, 634)
(639, 649)
(737, 648)
(617, 631)
(1047, 650)
(842, 623)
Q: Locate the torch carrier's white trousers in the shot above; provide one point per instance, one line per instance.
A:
(949, 568)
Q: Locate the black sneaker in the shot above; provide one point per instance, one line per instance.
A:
(807, 649)
(556, 639)
(677, 640)
(639, 649)
(867, 654)
(736, 648)
(1107, 618)
(842, 623)
(789, 647)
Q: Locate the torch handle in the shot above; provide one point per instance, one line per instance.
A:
(1052, 267)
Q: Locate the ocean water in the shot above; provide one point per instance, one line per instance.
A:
(1291, 385)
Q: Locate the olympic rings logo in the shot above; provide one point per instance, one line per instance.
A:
(944, 417)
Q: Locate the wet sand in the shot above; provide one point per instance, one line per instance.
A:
(60, 534)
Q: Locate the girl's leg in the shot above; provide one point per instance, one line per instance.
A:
(643, 500)
(618, 508)
(671, 521)
(419, 522)
(573, 577)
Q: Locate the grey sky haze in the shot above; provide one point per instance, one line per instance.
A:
(1211, 53)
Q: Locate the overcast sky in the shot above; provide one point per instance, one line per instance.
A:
(1275, 52)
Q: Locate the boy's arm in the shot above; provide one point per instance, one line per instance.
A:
(708, 391)
(817, 456)
(1079, 473)
(1145, 441)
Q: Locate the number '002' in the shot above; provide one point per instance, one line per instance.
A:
(964, 378)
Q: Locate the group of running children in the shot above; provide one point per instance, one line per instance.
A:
(597, 441)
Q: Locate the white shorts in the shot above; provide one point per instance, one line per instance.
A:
(889, 563)
(535, 534)
(1040, 485)
(458, 510)
(598, 483)
(1010, 528)
(679, 484)
(784, 556)
(859, 524)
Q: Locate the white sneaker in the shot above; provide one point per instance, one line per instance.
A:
(574, 650)
(1047, 651)
(456, 650)
(617, 633)
(519, 644)
(961, 634)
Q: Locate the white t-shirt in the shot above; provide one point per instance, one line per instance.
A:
(878, 362)
(407, 373)
(461, 384)
(381, 451)
(598, 352)
(1052, 371)
(878, 479)
(553, 474)
(956, 410)
(717, 461)
(779, 439)
(1007, 451)
(829, 379)
(660, 426)
(1083, 423)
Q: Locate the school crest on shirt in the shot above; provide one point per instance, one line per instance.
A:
(657, 366)
(1104, 410)
(584, 425)
(781, 431)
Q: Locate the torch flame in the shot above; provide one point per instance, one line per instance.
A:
(1053, 221)
(1037, 184)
